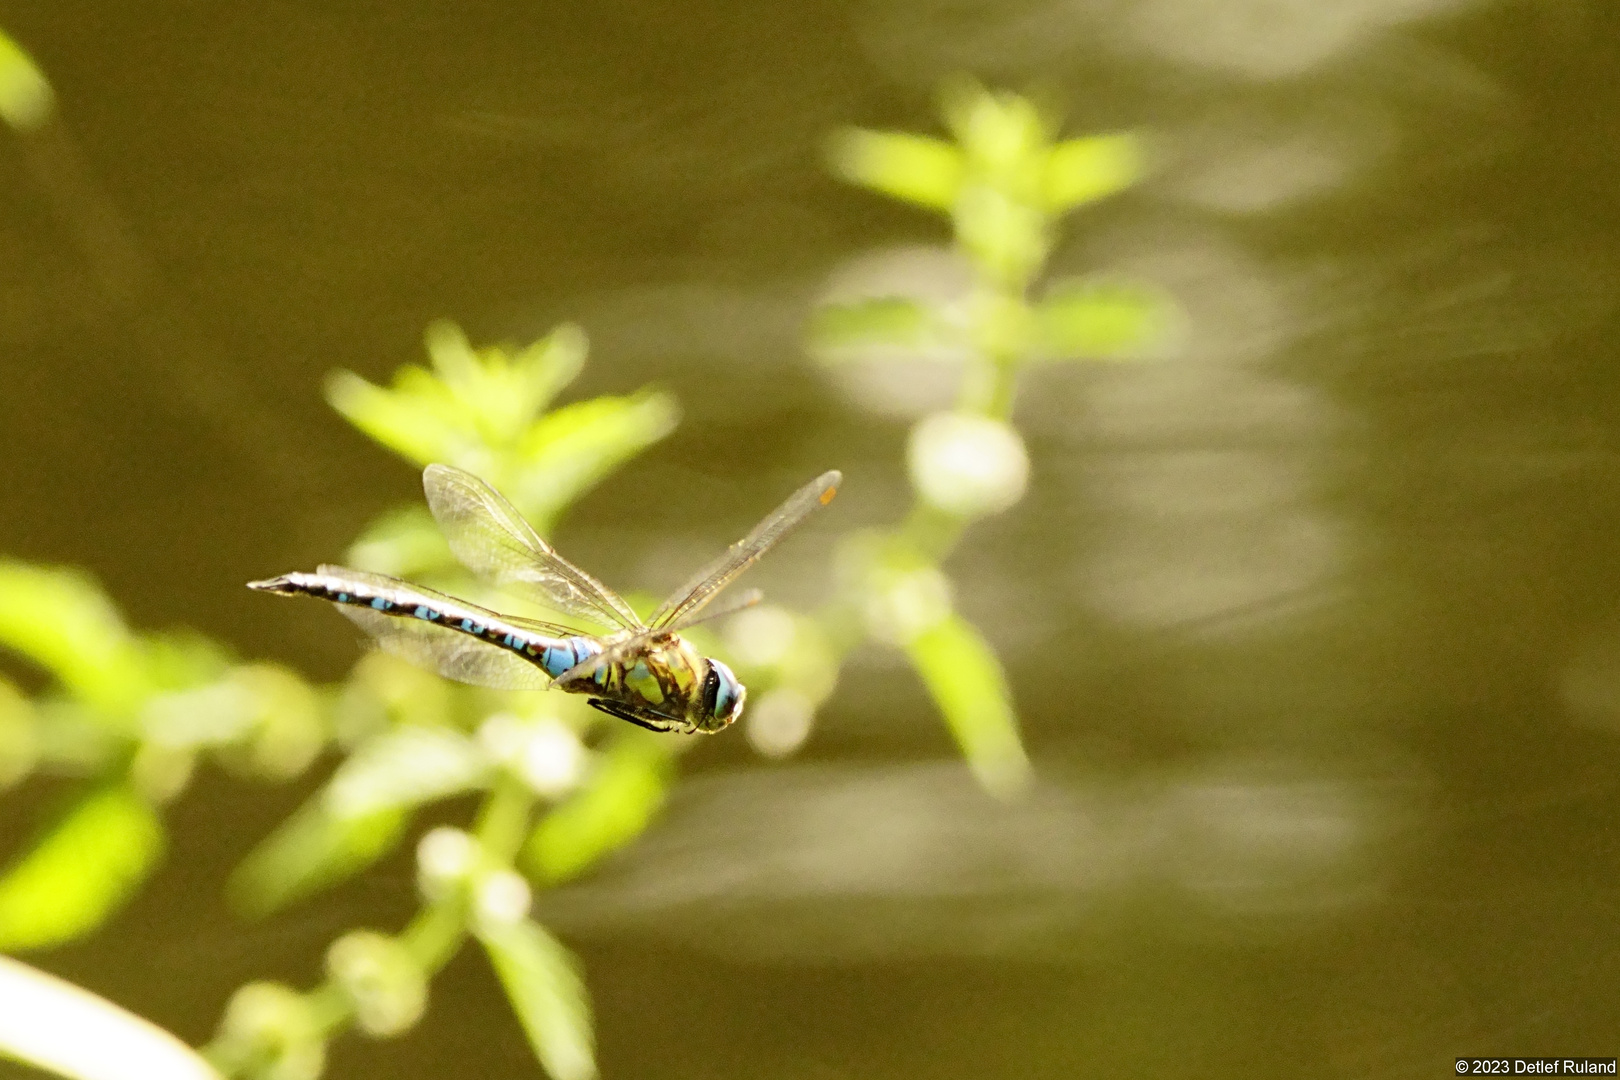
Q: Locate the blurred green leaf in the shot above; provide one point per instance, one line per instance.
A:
(543, 983)
(1006, 237)
(26, 98)
(19, 735)
(500, 392)
(915, 168)
(570, 450)
(309, 852)
(1102, 319)
(405, 767)
(62, 620)
(1002, 135)
(966, 681)
(472, 408)
(405, 543)
(1085, 170)
(64, 1029)
(84, 868)
(886, 322)
(629, 786)
(417, 419)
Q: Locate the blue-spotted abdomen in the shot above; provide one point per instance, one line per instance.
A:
(567, 653)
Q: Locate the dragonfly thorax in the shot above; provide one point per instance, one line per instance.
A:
(662, 683)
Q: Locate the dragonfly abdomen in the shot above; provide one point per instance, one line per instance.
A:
(553, 655)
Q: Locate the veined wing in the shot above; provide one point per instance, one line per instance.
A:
(432, 645)
(691, 598)
(491, 538)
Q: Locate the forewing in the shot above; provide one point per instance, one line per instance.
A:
(730, 606)
(491, 538)
(690, 598)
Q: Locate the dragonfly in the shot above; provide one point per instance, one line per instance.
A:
(643, 672)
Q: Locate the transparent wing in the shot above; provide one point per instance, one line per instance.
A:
(691, 598)
(453, 655)
(491, 538)
(730, 606)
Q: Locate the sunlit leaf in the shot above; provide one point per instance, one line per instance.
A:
(309, 852)
(26, 98)
(1084, 170)
(839, 330)
(628, 787)
(416, 419)
(405, 543)
(966, 681)
(543, 983)
(405, 767)
(61, 620)
(570, 450)
(916, 168)
(64, 1029)
(19, 735)
(1102, 319)
(89, 862)
(498, 394)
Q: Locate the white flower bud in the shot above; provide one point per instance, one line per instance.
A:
(444, 858)
(501, 899)
(552, 760)
(968, 466)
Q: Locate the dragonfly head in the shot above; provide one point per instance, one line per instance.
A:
(722, 698)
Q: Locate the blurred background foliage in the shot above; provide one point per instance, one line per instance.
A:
(1276, 654)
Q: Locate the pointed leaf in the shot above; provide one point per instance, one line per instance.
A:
(568, 451)
(965, 680)
(309, 852)
(64, 622)
(915, 168)
(543, 983)
(416, 419)
(1102, 319)
(1085, 170)
(64, 1029)
(614, 807)
(403, 768)
(26, 98)
(839, 330)
(87, 865)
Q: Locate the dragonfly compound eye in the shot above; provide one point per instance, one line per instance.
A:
(722, 696)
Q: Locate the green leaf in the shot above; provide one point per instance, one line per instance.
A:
(915, 168)
(64, 622)
(64, 1029)
(79, 874)
(628, 787)
(26, 98)
(19, 735)
(405, 543)
(417, 419)
(543, 983)
(569, 451)
(309, 852)
(1102, 319)
(405, 767)
(1085, 170)
(886, 322)
(965, 680)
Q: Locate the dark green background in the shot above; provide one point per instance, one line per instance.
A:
(1357, 825)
